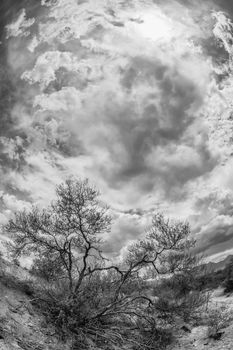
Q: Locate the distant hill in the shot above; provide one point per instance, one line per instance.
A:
(217, 266)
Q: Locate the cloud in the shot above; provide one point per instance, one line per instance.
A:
(49, 62)
(218, 230)
(127, 226)
(7, 98)
(10, 204)
(133, 96)
(66, 99)
(153, 127)
(212, 220)
(20, 27)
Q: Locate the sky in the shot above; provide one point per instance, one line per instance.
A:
(134, 95)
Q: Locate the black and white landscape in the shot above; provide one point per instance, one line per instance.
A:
(116, 145)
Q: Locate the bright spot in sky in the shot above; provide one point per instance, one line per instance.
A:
(153, 26)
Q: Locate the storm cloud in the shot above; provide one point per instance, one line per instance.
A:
(137, 97)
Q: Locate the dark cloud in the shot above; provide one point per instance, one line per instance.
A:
(224, 5)
(125, 230)
(7, 100)
(12, 90)
(212, 48)
(116, 105)
(141, 70)
(162, 123)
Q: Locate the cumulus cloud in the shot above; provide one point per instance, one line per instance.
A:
(20, 27)
(140, 124)
(10, 204)
(223, 31)
(48, 63)
(129, 95)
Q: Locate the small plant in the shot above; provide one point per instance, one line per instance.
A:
(218, 318)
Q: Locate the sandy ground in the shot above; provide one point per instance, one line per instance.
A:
(198, 338)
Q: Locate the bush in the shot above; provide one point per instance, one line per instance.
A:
(228, 283)
(211, 280)
(89, 300)
(228, 286)
(180, 295)
(217, 319)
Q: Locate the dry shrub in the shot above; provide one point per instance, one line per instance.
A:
(88, 299)
(179, 296)
(217, 318)
(130, 323)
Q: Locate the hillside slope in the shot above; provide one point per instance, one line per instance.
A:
(21, 326)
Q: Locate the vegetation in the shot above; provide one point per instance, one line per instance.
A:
(181, 294)
(217, 319)
(210, 280)
(228, 282)
(89, 299)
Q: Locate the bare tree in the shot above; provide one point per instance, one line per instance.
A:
(87, 291)
(66, 235)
